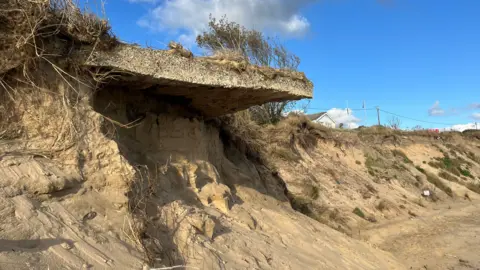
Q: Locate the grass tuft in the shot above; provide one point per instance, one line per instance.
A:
(357, 211)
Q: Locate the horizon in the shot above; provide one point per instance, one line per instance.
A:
(416, 61)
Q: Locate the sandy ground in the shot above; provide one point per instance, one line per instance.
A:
(446, 238)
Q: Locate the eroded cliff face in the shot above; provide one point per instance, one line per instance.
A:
(202, 202)
(109, 163)
(356, 180)
(81, 187)
(117, 179)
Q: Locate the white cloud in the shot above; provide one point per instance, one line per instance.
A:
(460, 127)
(190, 17)
(436, 110)
(476, 116)
(143, 1)
(475, 106)
(343, 116)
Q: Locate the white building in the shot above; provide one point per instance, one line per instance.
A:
(323, 119)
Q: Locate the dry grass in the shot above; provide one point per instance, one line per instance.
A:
(38, 78)
(439, 184)
(284, 140)
(420, 169)
(29, 29)
(383, 205)
(475, 187)
(246, 135)
(402, 155)
(311, 191)
(371, 188)
(448, 176)
(296, 130)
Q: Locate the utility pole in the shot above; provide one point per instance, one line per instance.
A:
(378, 115)
(365, 113)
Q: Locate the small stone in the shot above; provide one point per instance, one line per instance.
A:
(66, 245)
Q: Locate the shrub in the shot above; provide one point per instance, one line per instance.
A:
(312, 191)
(434, 164)
(357, 211)
(302, 205)
(285, 154)
(371, 188)
(419, 202)
(420, 169)
(439, 184)
(474, 187)
(399, 153)
(255, 48)
(447, 176)
(369, 161)
(358, 162)
(466, 172)
(383, 205)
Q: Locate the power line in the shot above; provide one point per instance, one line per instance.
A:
(398, 115)
(323, 109)
(413, 119)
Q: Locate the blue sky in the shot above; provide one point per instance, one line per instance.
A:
(415, 58)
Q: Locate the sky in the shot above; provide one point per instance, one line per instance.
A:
(419, 60)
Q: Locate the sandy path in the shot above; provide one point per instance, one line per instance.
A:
(446, 238)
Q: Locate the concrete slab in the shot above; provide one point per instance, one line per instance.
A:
(213, 87)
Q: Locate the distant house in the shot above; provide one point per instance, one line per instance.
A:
(322, 118)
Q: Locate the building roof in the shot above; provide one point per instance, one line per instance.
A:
(315, 116)
(319, 115)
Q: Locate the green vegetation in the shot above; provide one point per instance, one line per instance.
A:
(357, 211)
(452, 165)
(466, 173)
(420, 169)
